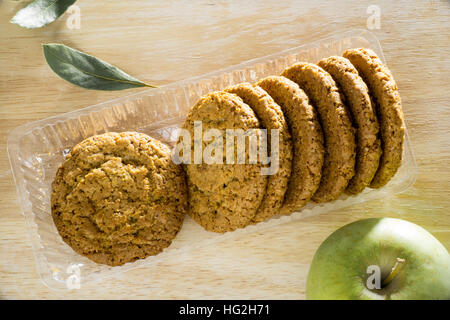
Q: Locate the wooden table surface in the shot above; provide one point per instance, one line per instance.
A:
(164, 41)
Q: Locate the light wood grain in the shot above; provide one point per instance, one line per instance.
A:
(163, 41)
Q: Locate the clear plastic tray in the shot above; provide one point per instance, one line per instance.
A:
(38, 148)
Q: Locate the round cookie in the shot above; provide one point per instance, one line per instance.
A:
(118, 197)
(307, 140)
(271, 118)
(368, 148)
(384, 92)
(223, 197)
(339, 162)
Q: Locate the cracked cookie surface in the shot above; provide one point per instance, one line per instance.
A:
(118, 197)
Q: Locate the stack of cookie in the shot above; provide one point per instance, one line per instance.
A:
(119, 197)
(340, 126)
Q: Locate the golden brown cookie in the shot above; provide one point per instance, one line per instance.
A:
(224, 197)
(118, 197)
(368, 148)
(340, 148)
(307, 140)
(384, 91)
(271, 118)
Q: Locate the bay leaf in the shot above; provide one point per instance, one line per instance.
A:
(41, 12)
(87, 71)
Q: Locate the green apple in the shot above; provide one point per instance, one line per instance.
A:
(380, 258)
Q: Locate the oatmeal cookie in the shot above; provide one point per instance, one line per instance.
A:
(368, 148)
(271, 117)
(118, 197)
(340, 147)
(386, 97)
(223, 197)
(307, 140)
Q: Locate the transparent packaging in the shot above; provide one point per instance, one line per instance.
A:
(37, 149)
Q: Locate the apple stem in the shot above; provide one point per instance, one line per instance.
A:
(395, 270)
